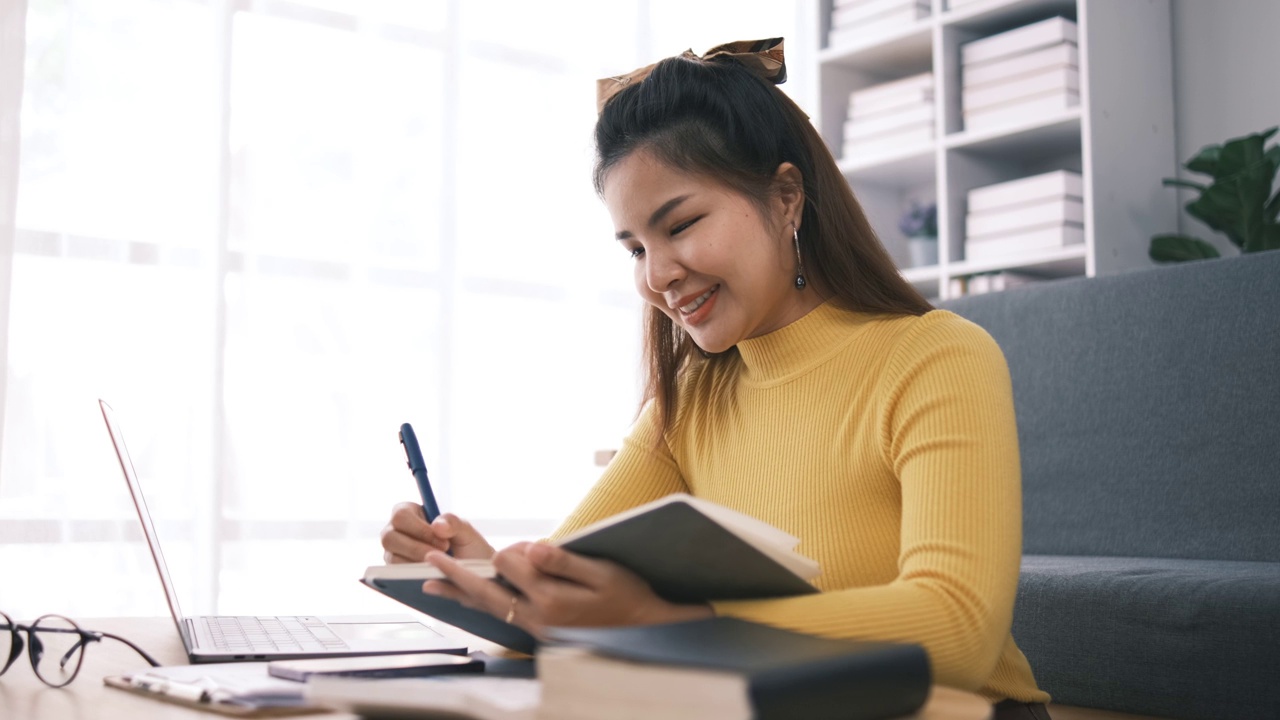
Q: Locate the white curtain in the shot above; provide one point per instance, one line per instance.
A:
(268, 232)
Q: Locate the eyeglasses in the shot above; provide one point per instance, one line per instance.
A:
(56, 647)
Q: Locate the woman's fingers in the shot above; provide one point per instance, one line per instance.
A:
(408, 537)
(465, 541)
(560, 563)
(516, 569)
(481, 593)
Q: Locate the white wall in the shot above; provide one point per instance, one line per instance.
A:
(1224, 65)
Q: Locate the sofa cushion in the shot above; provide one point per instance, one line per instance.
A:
(1147, 406)
(1170, 638)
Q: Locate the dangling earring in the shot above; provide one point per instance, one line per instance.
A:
(800, 281)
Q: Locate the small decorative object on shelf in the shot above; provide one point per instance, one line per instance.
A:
(1037, 213)
(1020, 75)
(920, 225)
(1236, 202)
(861, 22)
(890, 116)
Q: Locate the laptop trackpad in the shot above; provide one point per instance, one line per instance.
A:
(389, 635)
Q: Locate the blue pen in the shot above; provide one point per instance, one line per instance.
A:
(418, 467)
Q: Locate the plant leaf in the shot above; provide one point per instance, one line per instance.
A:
(1179, 248)
(1205, 161)
(1214, 208)
(1177, 182)
(1239, 154)
(1272, 210)
(1237, 198)
(1271, 237)
(1273, 155)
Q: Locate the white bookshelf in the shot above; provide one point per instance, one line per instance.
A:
(1120, 137)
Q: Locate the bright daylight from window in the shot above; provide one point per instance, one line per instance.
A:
(267, 232)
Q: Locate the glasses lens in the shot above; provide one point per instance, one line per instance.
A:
(6, 641)
(56, 649)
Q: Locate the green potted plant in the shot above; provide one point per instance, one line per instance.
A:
(920, 225)
(1238, 202)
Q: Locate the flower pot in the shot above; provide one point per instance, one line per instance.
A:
(923, 251)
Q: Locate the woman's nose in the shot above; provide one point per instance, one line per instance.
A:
(662, 270)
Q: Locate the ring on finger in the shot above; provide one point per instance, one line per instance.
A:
(511, 609)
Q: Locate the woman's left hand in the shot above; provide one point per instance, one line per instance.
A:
(558, 588)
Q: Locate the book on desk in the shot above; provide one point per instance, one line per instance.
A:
(724, 668)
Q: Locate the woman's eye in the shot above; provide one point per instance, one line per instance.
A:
(684, 226)
(635, 252)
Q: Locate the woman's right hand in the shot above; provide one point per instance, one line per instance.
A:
(408, 537)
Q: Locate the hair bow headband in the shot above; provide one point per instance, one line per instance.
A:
(762, 57)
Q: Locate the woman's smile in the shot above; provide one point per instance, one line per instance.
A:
(697, 310)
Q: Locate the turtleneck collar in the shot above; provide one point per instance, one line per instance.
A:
(800, 346)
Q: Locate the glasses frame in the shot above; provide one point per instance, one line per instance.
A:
(35, 648)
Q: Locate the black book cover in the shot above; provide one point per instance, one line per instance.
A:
(687, 557)
(789, 674)
(480, 624)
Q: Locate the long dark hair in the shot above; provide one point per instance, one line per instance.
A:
(720, 120)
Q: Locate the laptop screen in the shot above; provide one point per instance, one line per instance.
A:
(144, 515)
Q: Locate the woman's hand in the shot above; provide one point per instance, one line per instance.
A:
(408, 537)
(557, 587)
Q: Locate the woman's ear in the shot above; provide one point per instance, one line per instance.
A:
(790, 193)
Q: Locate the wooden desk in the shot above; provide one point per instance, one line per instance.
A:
(23, 696)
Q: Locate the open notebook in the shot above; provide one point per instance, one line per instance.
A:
(688, 549)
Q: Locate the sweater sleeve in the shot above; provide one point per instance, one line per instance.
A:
(947, 430)
(642, 471)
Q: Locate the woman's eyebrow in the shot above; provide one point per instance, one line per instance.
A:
(657, 215)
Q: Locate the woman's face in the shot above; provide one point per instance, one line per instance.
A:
(704, 254)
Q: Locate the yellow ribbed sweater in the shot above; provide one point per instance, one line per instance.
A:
(888, 445)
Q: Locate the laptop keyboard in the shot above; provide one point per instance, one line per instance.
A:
(268, 634)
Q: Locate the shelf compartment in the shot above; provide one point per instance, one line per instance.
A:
(903, 168)
(998, 15)
(921, 275)
(903, 52)
(927, 280)
(1059, 134)
(1054, 263)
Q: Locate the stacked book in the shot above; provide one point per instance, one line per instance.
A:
(889, 117)
(1021, 75)
(1038, 213)
(728, 669)
(961, 4)
(858, 22)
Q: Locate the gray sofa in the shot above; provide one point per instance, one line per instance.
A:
(1148, 410)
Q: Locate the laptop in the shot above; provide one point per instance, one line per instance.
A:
(230, 638)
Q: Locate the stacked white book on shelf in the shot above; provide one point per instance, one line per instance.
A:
(964, 4)
(860, 22)
(890, 117)
(1019, 76)
(1033, 214)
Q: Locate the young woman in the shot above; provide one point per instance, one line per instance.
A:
(793, 376)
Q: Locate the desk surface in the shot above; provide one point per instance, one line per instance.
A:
(24, 696)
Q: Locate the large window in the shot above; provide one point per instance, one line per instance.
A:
(268, 233)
